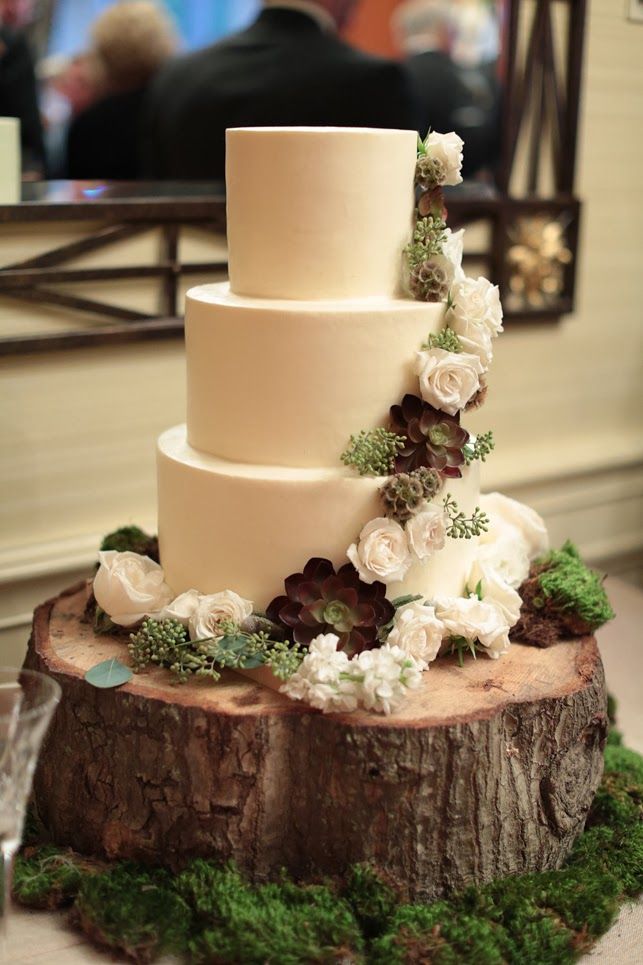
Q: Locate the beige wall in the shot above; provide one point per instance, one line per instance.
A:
(78, 429)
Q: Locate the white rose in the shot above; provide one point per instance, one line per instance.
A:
(476, 305)
(474, 619)
(507, 553)
(476, 341)
(495, 590)
(448, 379)
(446, 148)
(453, 249)
(426, 531)
(506, 514)
(129, 587)
(417, 631)
(382, 552)
(182, 607)
(212, 609)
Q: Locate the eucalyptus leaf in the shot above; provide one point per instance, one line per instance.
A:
(403, 600)
(253, 661)
(233, 644)
(108, 673)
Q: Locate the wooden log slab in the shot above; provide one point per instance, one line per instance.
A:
(488, 771)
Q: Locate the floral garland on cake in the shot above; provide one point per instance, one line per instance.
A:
(333, 637)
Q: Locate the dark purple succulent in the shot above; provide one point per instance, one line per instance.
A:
(320, 600)
(433, 438)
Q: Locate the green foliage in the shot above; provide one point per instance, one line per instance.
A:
(460, 526)
(373, 453)
(428, 240)
(210, 914)
(131, 539)
(480, 448)
(446, 339)
(166, 644)
(568, 585)
(108, 673)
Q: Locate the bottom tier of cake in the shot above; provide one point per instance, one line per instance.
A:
(488, 770)
(245, 527)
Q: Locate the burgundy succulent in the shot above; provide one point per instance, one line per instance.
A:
(320, 600)
(433, 438)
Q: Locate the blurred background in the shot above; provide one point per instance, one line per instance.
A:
(552, 201)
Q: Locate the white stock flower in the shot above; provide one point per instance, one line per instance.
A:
(476, 305)
(211, 609)
(387, 673)
(324, 678)
(447, 379)
(417, 631)
(446, 148)
(182, 607)
(453, 250)
(474, 619)
(426, 531)
(382, 552)
(129, 586)
(509, 517)
(495, 589)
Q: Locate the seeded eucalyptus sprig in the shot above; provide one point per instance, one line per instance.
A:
(461, 526)
(373, 453)
(166, 644)
(479, 448)
(428, 239)
(446, 339)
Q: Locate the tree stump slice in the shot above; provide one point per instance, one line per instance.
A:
(488, 771)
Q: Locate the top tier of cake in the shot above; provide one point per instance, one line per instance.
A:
(318, 213)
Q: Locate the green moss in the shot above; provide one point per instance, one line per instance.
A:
(131, 539)
(567, 584)
(134, 911)
(47, 877)
(372, 898)
(275, 924)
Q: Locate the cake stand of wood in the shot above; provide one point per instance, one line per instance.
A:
(488, 771)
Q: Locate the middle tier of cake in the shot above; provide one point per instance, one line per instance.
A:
(286, 383)
(245, 527)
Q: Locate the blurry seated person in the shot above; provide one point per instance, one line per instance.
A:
(130, 41)
(289, 68)
(451, 98)
(18, 98)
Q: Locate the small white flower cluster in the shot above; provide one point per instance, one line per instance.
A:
(385, 550)
(129, 587)
(377, 680)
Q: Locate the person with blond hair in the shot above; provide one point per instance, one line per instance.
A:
(130, 41)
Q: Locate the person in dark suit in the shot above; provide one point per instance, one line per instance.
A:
(130, 41)
(18, 98)
(289, 68)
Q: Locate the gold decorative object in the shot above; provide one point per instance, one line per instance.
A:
(537, 259)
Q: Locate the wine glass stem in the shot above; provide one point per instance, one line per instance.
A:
(7, 853)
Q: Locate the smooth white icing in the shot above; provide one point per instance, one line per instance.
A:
(225, 525)
(318, 213)
(288, 382)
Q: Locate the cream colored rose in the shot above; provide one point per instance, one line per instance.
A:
(417, 631)
(426, 531)
(495, 590)
(448, 379)
(476, 305)
(182, 607)
(509, 518)
(474, 619)
(446, 148)
(212, 609)
(382, 552)
(453, 249)
(129, 587)
(476, 341)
